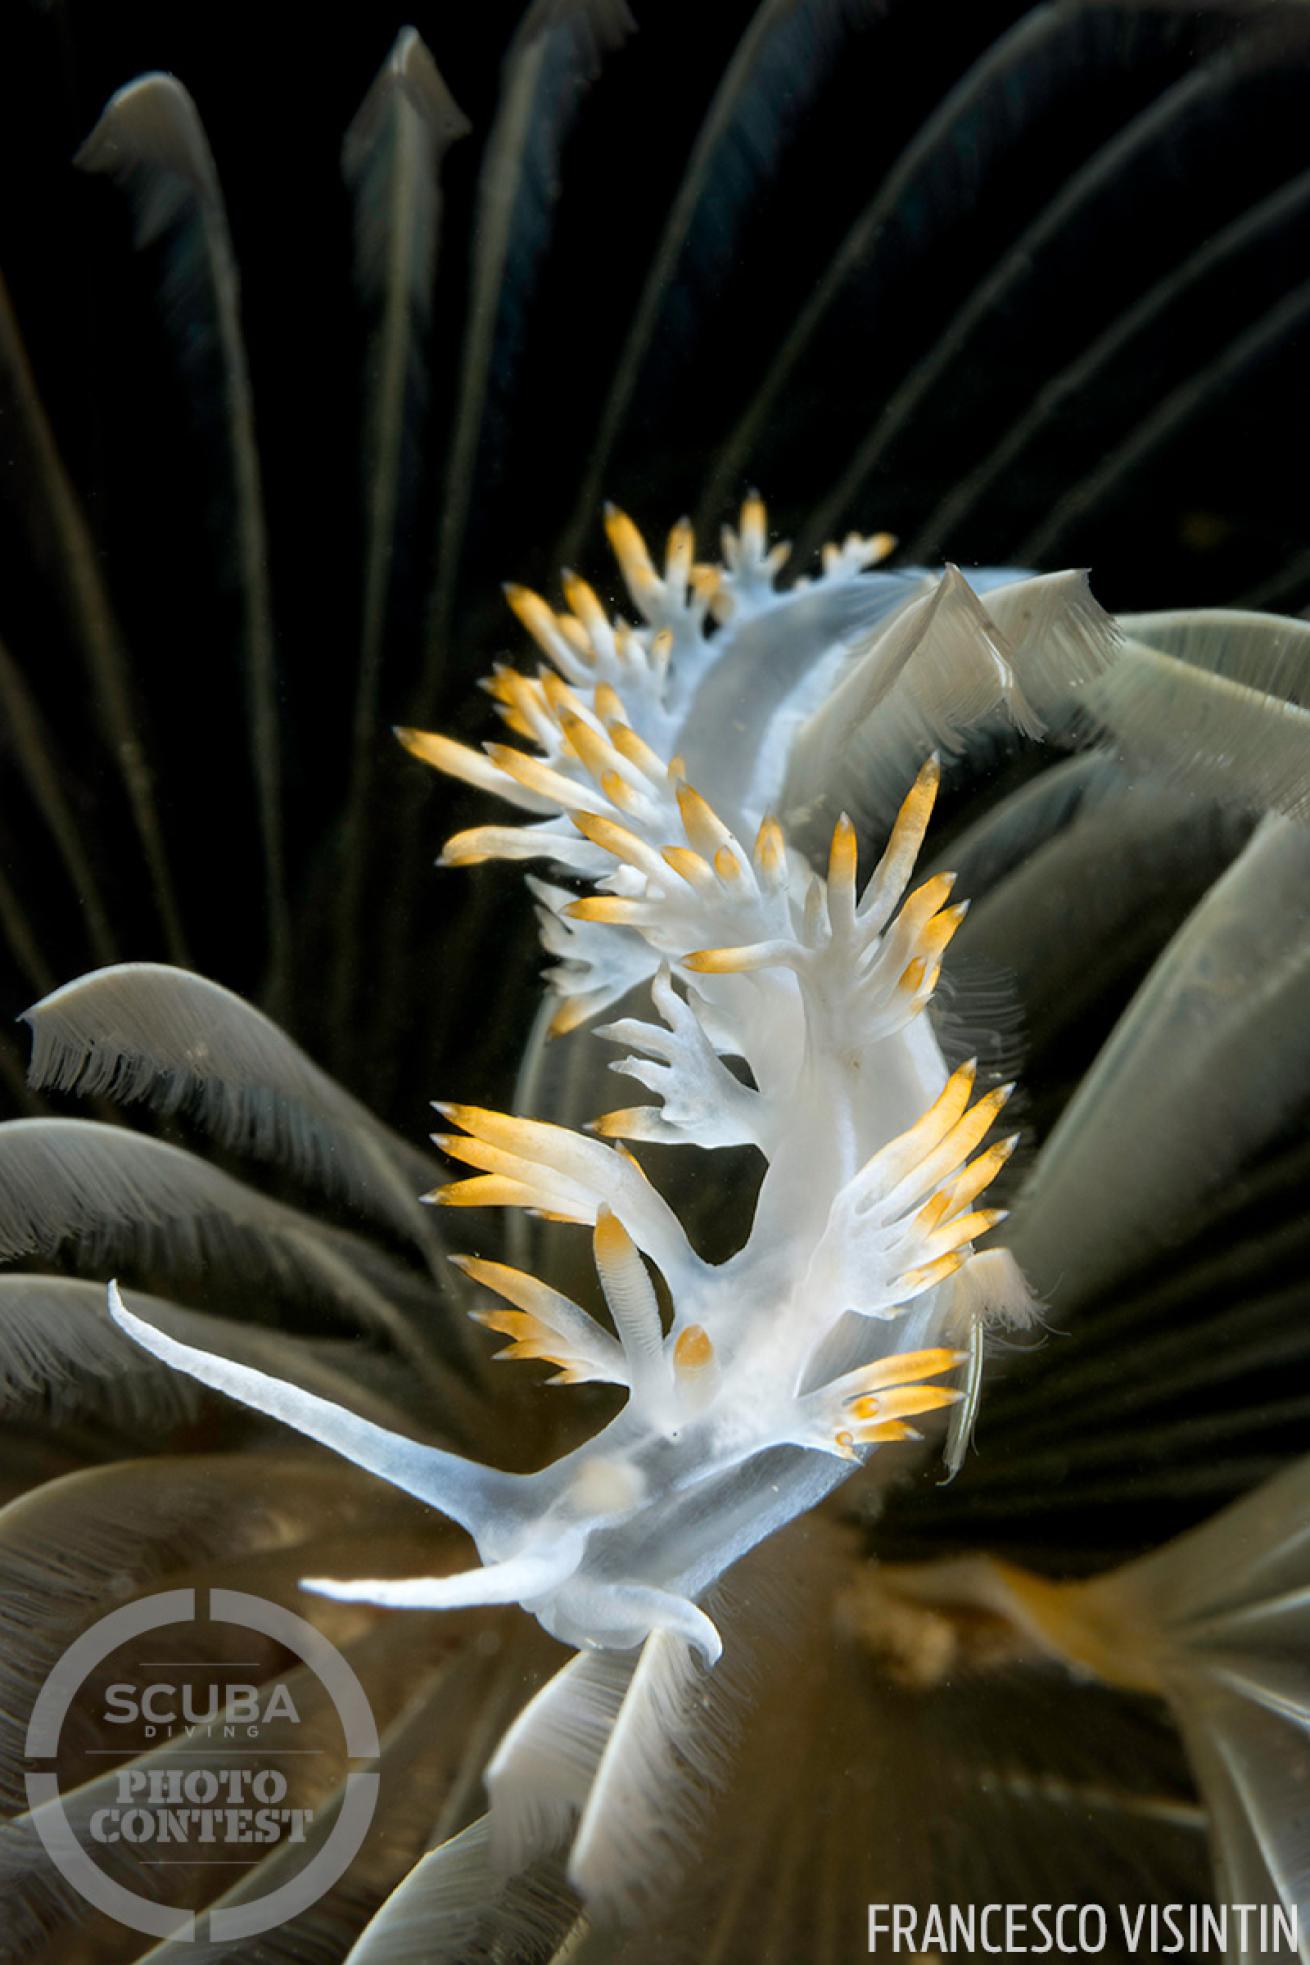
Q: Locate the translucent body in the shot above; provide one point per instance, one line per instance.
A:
(858, 1290)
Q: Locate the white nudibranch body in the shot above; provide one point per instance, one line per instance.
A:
(660, 752)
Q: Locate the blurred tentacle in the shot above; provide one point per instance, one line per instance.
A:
(143, 1031)
(1016, 1787)
(554, 57)
(1214, 702)
(669, 1735)
(526, 1656)
(536, 1780)
(392, 161)
(983, 88)
(32, 752)
(80, 588)
(24, 941)
(1079, 917)
(60, 1352)
(1171, 416)
(1252, 228)
(777, 67)
(999, 841)
(455, 1906)
(1216, 1332)
(39, 1903)
(110, 1194)
(11, 1064)
(418, 1746)
(1210, 1059)
(949, 670)
(1113, 160)
(1213, 1623)
(98, 1537)
(1284, 589)
(186, 1045)
(151, 141)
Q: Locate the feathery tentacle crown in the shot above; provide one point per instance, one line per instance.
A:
(859, 1289)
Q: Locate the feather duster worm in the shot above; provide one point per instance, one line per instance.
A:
(936, 310)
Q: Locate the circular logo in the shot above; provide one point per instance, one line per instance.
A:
(202, 1779)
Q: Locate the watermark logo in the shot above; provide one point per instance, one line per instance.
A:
(209, 1780)
(1083, 1930)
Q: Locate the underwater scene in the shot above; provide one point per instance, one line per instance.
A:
(654, 982)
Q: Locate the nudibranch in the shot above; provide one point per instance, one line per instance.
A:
(789, 1017)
